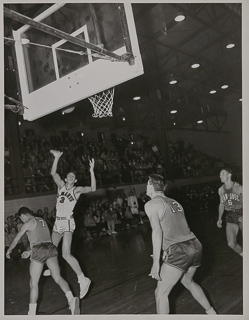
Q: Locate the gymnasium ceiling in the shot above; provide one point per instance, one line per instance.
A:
(168, 48)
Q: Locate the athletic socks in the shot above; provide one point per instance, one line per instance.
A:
(69, 296)
(211, 311)
(81, 277)
(32, 309)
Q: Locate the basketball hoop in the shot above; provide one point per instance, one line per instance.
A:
(102, 103)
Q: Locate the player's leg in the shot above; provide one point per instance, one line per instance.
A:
(56, 238)
(170, 276)
(196, 290)
(73, 302)
(66, 254)
(35, 270)
(240, 224)
(232, 230)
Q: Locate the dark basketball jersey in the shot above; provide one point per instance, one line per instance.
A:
(174, 224)
(231, 198)
(65, 202)
(40, 233)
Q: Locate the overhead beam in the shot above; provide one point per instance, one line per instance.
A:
(62, 35)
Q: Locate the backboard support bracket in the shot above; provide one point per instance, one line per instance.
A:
(65, 36)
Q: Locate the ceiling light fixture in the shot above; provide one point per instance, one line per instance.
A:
(195, 65)
(173, 111)
(212, 91)
(230, 45)
(136, 98)
(225, 86)
(180, 17)
(172, 80)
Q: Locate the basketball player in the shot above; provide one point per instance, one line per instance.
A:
(231, 202)
(182, 251)
(64, 225)
(42, 251)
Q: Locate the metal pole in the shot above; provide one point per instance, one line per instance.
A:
(96, 25)
(126, 34)
(62, 35)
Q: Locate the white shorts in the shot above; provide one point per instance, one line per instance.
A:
(64, 225)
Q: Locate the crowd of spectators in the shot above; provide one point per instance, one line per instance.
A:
(123, 159)
(188, 162)
(107, 217)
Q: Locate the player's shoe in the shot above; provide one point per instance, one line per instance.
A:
(74, 306)
(47, 273)
(211, 311)
(84, 286)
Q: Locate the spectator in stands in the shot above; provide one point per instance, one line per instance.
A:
(99, 221)
(89, 223)
(110, 218)
(129, 219)
(120, 200)
(133, 205)
(10, 222)
(141, 202)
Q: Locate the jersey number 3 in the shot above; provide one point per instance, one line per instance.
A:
(62, 199)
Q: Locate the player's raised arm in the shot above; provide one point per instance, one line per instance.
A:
(92, 188)
(55, 175)
(93, 180)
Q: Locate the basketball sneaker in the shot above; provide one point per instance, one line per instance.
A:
(47, 273)
(84, 286)
(74, 306)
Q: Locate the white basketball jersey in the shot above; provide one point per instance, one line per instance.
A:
(65, 202)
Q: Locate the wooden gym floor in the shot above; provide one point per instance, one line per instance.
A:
(119, 265)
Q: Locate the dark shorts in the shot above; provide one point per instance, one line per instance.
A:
(233, 216)
(183, 255)
(43, 251)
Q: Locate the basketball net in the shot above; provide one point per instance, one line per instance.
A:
(102, 103)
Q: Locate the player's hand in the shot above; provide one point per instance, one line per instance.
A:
(154, 273)
(91, 163)
(8, 254)
(56, 153)
(26, 254)
(240, 219)
(219, 223)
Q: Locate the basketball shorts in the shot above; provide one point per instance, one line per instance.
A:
(64, 225)
(43, 251)
(183, 255)
(233, 216)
